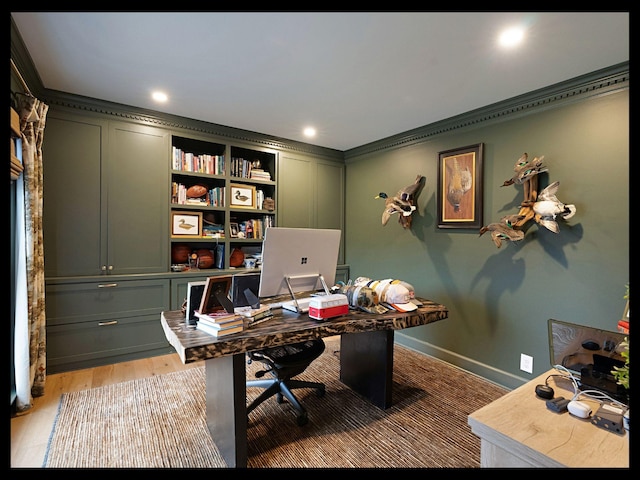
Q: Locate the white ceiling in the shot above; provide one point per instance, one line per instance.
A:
(357, 77)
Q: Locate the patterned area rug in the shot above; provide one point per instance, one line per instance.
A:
(159, 422)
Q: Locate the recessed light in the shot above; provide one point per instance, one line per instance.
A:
(511, 37)
(309, 132)
(159, 96)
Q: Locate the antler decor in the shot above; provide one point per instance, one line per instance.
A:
(541, 207)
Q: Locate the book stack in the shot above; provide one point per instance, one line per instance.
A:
(219, 324)
(254, 316)
(259, 174)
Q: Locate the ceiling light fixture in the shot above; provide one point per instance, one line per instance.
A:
(309, 132)
(511, 37)
(159, 96)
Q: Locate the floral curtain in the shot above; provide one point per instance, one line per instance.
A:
(30, 333)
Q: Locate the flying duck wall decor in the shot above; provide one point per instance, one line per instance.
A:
(544, 208)
(403, 203)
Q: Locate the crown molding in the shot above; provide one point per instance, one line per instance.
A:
(600, 82)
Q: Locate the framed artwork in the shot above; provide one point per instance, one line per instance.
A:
(460, 187)
(243, 196)
(216, 295)
(186, 224)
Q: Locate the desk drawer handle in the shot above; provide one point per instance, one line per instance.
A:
(105, 324)
(107, 285)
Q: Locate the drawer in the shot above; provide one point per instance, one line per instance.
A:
(105, 300)
(84, 344)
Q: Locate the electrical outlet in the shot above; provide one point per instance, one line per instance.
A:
(526, 363)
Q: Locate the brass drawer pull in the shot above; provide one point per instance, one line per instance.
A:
(104, 324)
(107, 285)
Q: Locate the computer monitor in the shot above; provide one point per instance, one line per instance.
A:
(589, 354)
(299, 255)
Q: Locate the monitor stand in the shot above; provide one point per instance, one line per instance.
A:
(287, 279)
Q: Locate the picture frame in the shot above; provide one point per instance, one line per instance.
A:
(626, 314)
(460, 188)
(243, 196)
(186, 224)
(195, 291)
(233, 230)
(216, 295)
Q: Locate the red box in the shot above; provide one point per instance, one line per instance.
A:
(328, 306)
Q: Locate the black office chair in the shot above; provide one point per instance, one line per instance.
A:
(284, 363)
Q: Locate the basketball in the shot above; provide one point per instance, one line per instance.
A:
(237, 258)
(180, 253)
(205, 258)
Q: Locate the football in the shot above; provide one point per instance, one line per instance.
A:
(196, 191)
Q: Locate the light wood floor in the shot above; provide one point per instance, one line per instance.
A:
(30, 432)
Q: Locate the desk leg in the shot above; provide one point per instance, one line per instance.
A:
(366, 365)
(227, 407)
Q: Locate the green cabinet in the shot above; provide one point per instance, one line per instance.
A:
(137, 187)
(109, 225)
(311, 194)
(72, 170)
(105, 190)
(97, 322)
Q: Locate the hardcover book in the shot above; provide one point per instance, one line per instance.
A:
(221, 319)
(218, 332)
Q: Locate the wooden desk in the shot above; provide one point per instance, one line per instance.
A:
(518, 430)
(366, 360)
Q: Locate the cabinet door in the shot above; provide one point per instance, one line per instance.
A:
(296, 192)
(137, 188)
(311, 194)
(72, 164)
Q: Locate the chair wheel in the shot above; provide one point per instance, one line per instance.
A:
(320, 392)
(302, 419)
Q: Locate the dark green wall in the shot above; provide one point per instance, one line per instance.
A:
(499, 300)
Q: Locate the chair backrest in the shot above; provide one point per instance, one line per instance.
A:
(290, 360)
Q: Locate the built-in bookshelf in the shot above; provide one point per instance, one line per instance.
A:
(222, 198)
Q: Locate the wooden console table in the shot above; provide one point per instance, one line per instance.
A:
(518, 430)
(366, 360)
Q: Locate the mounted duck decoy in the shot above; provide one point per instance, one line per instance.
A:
(526, 170)
(402, 203)
(503, 231)
(526, 175)
(548, 207)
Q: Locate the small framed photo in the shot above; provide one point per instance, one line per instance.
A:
(459, 189)
(243, 196)
(195, 291)
(186, 224)
(216, 295)
(233, 230)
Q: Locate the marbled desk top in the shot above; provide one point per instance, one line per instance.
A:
(288, 327)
